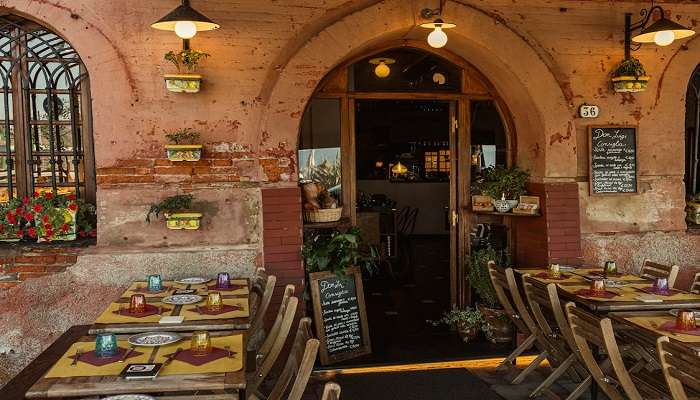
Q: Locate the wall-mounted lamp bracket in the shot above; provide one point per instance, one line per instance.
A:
(639, 25)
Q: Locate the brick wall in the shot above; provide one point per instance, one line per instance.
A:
(282, 232)
(19, 263)
(555, 237)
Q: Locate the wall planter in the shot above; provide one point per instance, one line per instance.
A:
(184, 152)
(61, 225)
(188, 221)
(183, 83)
(629, 77)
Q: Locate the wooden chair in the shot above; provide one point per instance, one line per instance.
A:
(277, 339)
(681, 366)
(265, 347)
(508, 293)
(652, 270)
(297, 369)
(545, 306)
(592, 333)
(695, 286)
(257, 289)
(261, 295)
(331, 391)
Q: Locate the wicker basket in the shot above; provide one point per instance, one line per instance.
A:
(323, 215)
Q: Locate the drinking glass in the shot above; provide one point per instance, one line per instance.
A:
(554, 270)
(155, 283)
(222, 280)
(598, 286)
(214, 301)
(610, 267)
(685, 320)
(660, 284)
(106, 345)
(200, 344)
(137, 304)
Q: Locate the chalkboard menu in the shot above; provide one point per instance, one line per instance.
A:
(613, 163)
(340, 315)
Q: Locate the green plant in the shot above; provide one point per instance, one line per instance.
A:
(187, 59)
(630, 67)
(465, 318)
(13, 216)
(86, 219)
(479, 277)
(183, 136)
(337, 251)
(501, 181)
(181, 202)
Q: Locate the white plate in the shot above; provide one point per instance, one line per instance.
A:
(615, 283)
(195, 280)
(674, 312)
(180, 299)
(130, 397)
(154, 339)
(566, 268)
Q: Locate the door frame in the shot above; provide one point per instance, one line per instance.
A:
(475, 86)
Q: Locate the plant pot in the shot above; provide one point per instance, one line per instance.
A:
(501, 327)
(627, 84)
(9, 239)
(467, 332)
(183, 83)
(58, 235)
(183, 152)
(503, 206)
(188, 221)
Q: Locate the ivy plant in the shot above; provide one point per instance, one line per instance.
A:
(172, 204)
(336, 251)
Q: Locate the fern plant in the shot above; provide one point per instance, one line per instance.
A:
(172, 204)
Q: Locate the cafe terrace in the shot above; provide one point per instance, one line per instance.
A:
(357, 199)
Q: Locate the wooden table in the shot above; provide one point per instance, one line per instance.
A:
(192, 322)
(645, 328)
(187, 382)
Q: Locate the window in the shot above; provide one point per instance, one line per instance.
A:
(45, 136)
(437, 161)
(692, 149)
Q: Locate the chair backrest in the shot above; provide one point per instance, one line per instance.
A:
(258, 319)
(331, 391)
(681, 366)
(299, 365)
(652, 270)
(588, 330)
(270, 358)
(695, 286)
(277, 325)
(508, 293)
(541, 308)
(257, 289)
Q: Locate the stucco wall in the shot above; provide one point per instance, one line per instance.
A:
(544, 57)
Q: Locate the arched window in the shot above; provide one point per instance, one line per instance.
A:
(692, 146)
(45, 132)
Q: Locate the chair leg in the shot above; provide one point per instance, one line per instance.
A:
(556, 374)
(524, 346)
(531, 367)
(581, 388)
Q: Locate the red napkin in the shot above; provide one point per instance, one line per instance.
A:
(92, 358)
(601, 295)
(150, 309)
(230, 288)
(653, 290)
(610, 275)
(224, 309)
(547, 275)
(142, 289)
(671, 327)
(188, 357)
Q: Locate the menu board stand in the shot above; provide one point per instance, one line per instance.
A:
(613, 166)
(340, 316)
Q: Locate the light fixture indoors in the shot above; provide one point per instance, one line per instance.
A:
(399, 169)
(437, 38)
(185, 21)
(662, 32)
(382, 69)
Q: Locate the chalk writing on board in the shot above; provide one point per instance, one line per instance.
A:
(613, 160)
(341, 314)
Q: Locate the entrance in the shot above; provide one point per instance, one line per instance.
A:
(404, 148)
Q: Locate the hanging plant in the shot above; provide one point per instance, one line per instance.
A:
(183, 146)
(186, 61)
(630, 76)
(177, 212)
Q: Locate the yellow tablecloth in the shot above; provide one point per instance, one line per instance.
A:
(109, 317)
(653, 323)
(225, 364)
(190, 313)
(63, 368)
(534, 272)
(631, 293)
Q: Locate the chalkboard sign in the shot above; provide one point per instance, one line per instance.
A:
(613, 165)
(339, 315)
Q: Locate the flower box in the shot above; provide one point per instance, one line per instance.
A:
(183, 152)
(188, 221)
(183, 83)
(66, 232)
(630, 84)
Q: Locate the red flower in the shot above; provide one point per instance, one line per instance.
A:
(25, 200)
(48, 233)
(65, 228)
(20, 234)
(48, 195)
(81, 233)
(36, 194)
(72, 207)
(45, 219)
(48, 227)
(37, 208)
(32, 232)
(93, 233)
(71, 197)
(18, 210)
(29, 217)
(11, 218)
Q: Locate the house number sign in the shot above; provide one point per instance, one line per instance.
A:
(588, 111)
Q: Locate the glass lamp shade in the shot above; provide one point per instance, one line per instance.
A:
(399, 169)
(663, 32)
(382, 70)
(184, 20)
(437, 38)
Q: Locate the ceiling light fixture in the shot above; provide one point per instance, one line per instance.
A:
(382, 69)
(437, 38)
(185, 21)
(663, 32)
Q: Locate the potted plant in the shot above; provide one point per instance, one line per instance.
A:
(480, 281)
(505, 186)
(692, 210)
(186, 61)
(468, 322)
(336, 251)
(183, 145)
(177, 212)
(54, 217)
(13, 217)
(630, 76)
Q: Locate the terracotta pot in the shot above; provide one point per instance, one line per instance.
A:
(466, 332)
(501, 326)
